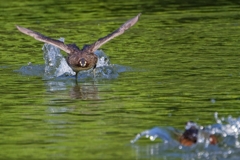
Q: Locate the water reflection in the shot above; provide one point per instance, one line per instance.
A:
(163, 151)
(85, 92)
(226, 130)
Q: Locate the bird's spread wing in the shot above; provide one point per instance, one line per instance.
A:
(45, 39)
(93, 47)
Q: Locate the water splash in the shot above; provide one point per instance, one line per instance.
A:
(156, 132)
(227, 131)
(55, 63)
(57, 67)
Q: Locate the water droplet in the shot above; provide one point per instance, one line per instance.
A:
(213, 100)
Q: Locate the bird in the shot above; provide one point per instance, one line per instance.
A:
(80, 59)
(190, 135)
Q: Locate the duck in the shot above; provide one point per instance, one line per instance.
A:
(80, 59)
(190, 135)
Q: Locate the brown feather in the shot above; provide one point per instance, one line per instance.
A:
(114, 34)
(45, 39)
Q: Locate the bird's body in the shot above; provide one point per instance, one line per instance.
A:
(80, 59)
(84, 61)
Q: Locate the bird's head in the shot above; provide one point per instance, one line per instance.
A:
(82, 62)
(191, 131)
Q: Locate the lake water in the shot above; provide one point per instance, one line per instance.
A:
(178, 63)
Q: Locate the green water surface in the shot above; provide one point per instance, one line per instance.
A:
(185, 61)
